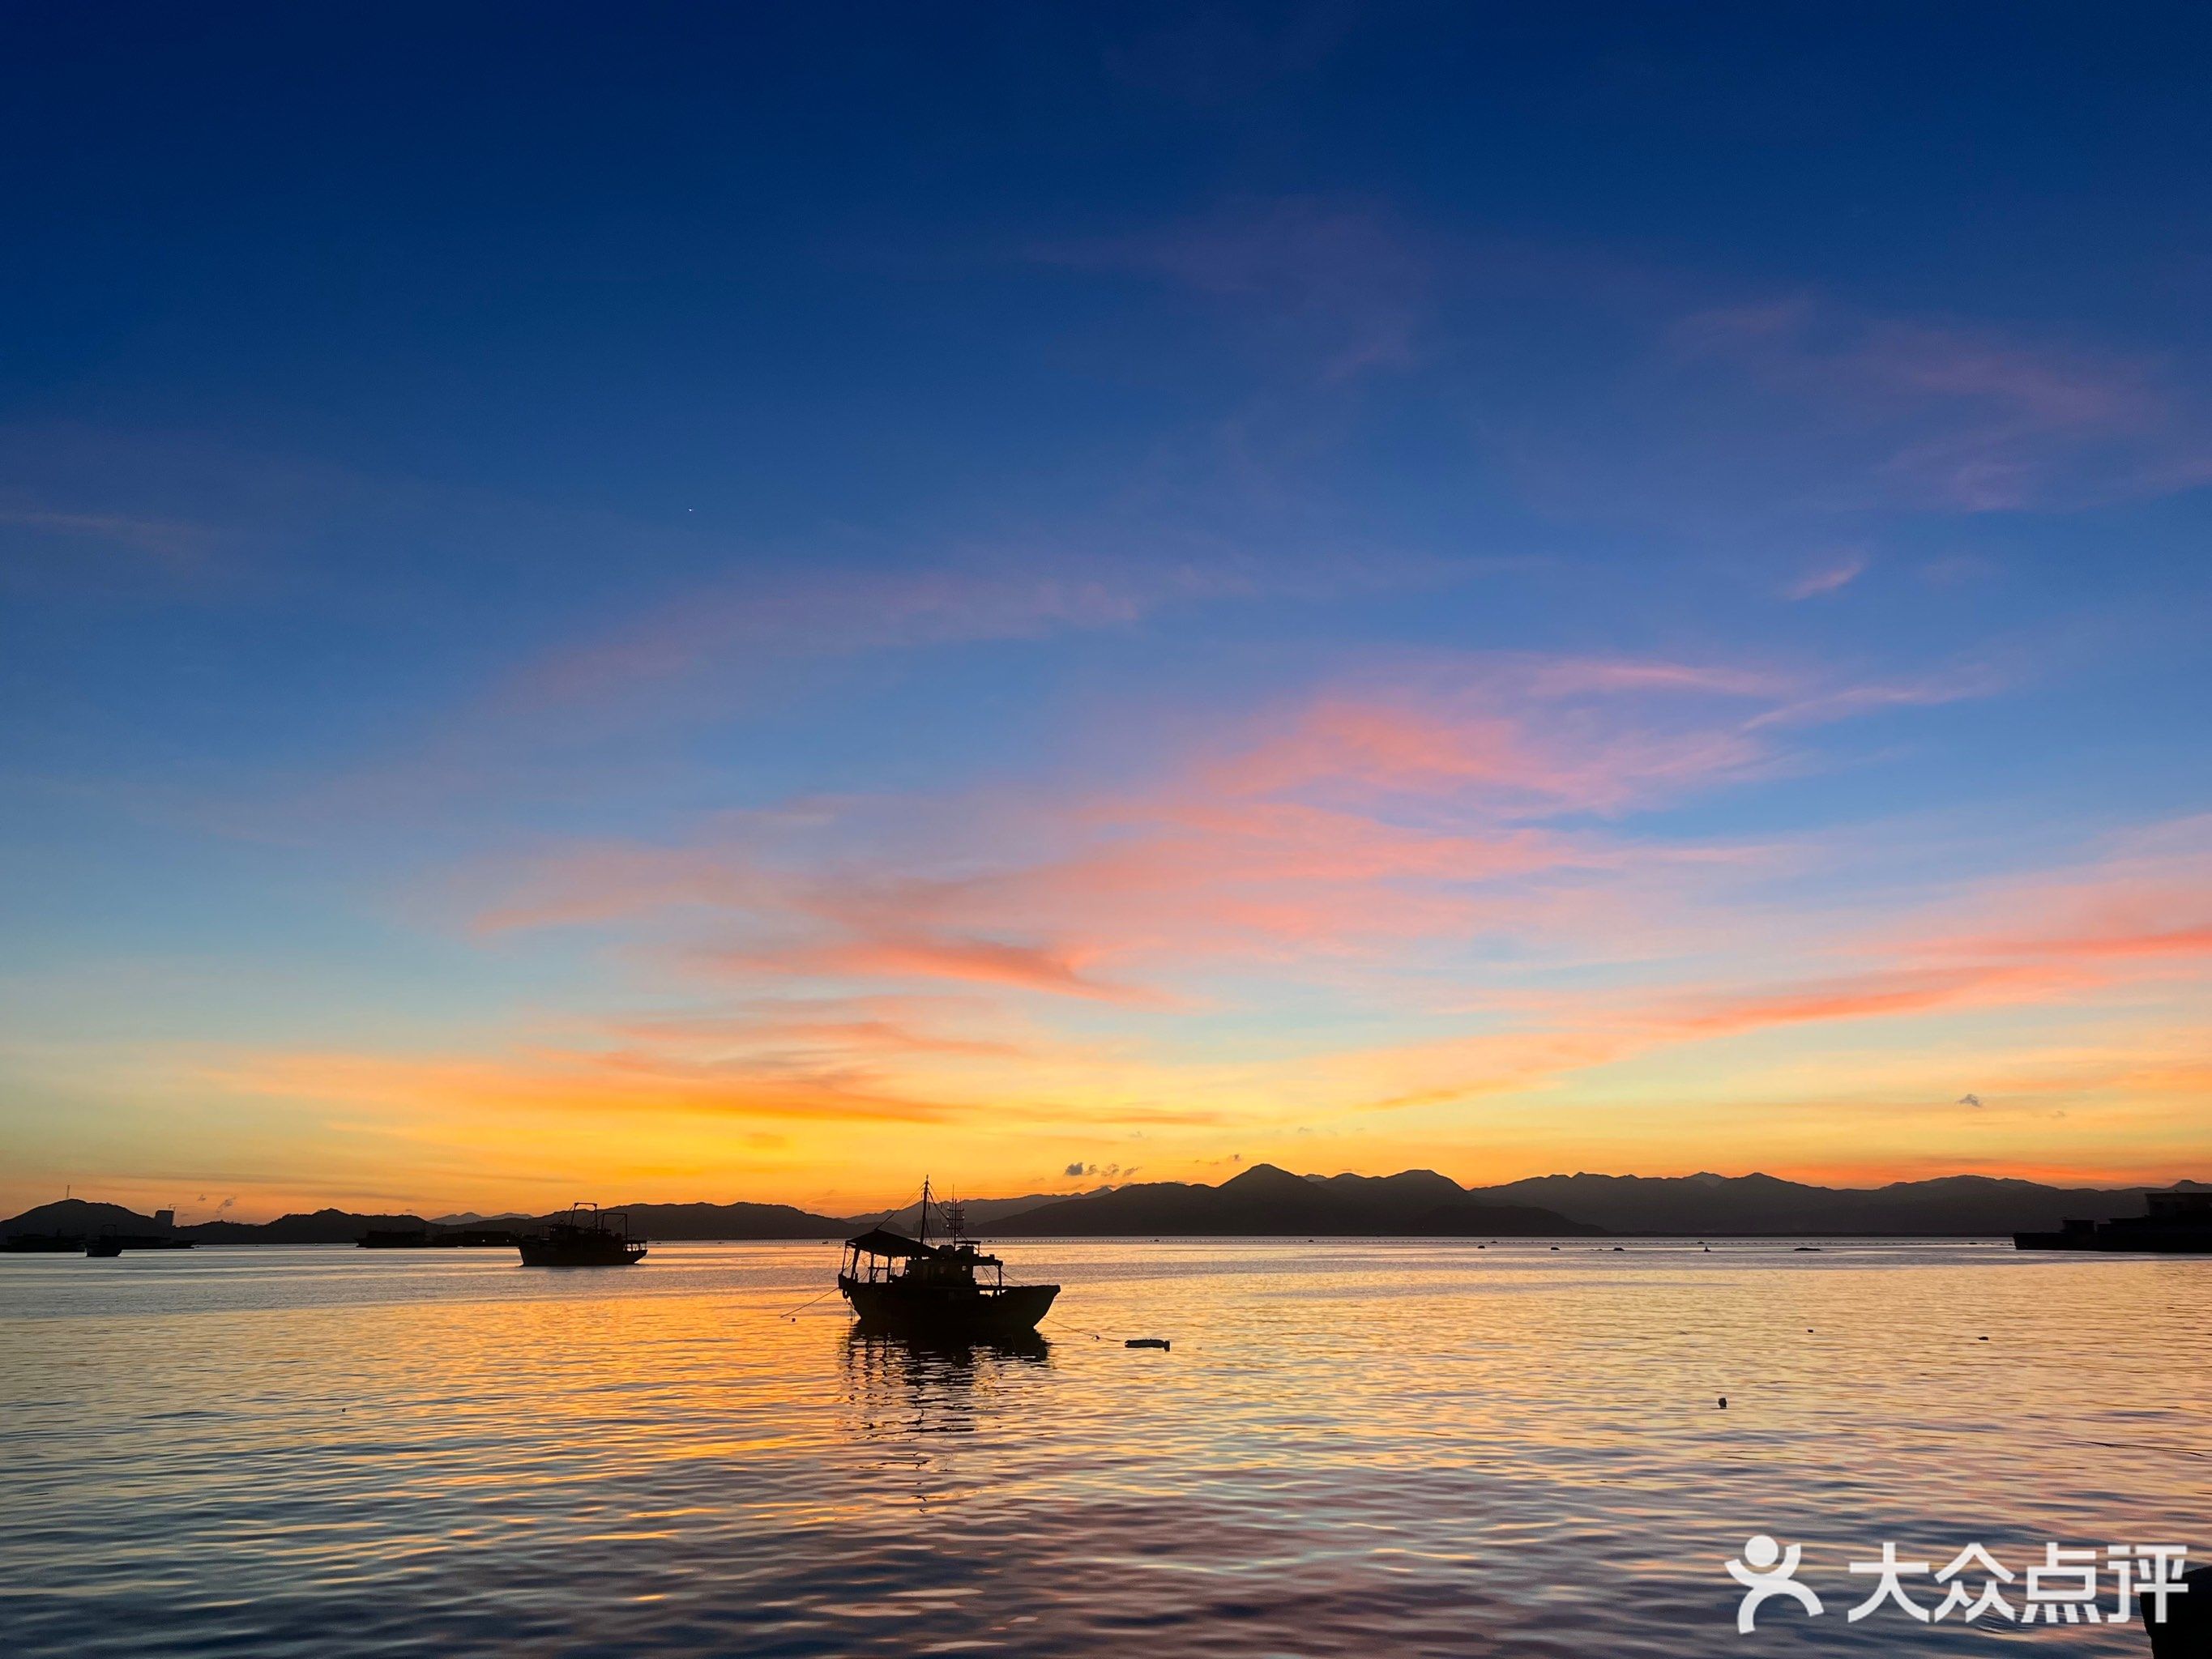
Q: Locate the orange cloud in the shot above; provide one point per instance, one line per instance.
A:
(1343, 824)
(980, 961)
(1878, 995)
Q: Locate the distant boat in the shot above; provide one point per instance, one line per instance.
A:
(911, 1287)
(587, 1238)
(2177, 1224)
(108, 1244)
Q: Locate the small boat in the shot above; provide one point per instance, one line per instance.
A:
(912, 1288)
(109, 1243)
(588, 1236)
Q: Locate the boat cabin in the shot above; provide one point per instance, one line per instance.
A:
(880, 1257)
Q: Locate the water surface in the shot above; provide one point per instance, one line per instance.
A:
(1355, 1447)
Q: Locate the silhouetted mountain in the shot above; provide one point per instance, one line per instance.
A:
(471, 1218)
(1265, 1201)
(323, 1227)
(981, 1212)
(707, 1221)
(77, 1218)
(1706, 1206)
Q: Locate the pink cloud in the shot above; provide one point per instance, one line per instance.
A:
(1831, 577)
(977, 961)
(1958, 416)
(726, 628)
(1880, 994)
(1388, 822)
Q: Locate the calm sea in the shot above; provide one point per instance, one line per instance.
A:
(1353, 1448)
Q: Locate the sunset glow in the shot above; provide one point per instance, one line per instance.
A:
(1057, 659)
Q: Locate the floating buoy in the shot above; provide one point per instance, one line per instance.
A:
(1159, 1342)
(1723, 1402)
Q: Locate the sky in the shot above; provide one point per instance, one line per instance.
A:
(672, 603)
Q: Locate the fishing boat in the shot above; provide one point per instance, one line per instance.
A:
(108, 1245)
(943, 1291)
(588, 1236)
(2176, 1222)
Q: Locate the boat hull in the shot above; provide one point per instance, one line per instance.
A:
(2109, 1240)
(549, 1252)
(932, 1312)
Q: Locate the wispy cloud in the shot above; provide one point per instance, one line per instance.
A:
(1339, 288)
(1957, 415)
(179, 545)
(1830, 576)
(1443, 809)
(729, 627)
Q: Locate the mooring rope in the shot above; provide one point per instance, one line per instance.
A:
(809, 1303)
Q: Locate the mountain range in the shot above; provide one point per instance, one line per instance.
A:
(1265, 1201)
(77, 1217)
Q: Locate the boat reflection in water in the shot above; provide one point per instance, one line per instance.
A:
(899, 1387)
(949, 1291)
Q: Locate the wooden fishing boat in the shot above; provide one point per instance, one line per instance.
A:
(588, 1236)
(939, 1292)
(2174, 1223)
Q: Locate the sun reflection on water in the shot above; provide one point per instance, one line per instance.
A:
(1352, 1447)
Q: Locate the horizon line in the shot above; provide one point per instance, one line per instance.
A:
(421, 1212)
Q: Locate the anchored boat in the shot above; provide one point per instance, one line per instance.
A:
(2174, 1223)
(588, 1236)
(948, 1290)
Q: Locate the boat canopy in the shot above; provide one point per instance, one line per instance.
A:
(877, 1242)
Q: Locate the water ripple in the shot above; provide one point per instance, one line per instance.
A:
(1393, 1447)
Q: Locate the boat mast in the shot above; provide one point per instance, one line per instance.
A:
(925, 1209)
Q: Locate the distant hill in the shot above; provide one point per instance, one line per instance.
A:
(980, 1211)
(323, 1227)
(79, 1218)
(1265, 1201)
(705, 1221)
(1705, 1206)
(471, 1218)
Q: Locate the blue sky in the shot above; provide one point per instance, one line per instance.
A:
(599, 597)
